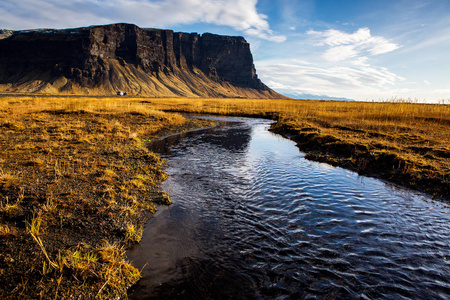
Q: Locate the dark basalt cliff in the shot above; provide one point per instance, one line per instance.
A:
(104, 59)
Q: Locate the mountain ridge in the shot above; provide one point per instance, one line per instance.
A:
(101, 60)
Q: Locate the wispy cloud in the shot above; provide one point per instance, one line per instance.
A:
(339, 53)
(241, 15)
(353, 81)
(342, 69)
(342, 45)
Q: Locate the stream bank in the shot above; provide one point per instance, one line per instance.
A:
(77, 184)
(252, 218)
(373, 159)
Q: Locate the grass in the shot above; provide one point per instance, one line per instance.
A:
(8, 180)
(400, 141)
(34, 225)
(79, 168)
(133, 234)
(6, 230)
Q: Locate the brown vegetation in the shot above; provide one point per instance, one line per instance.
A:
(405, 143)
(77, 182)
(76, 186)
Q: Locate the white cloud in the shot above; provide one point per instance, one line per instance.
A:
(343, 46)
(339, 53)
(352, 81)
(241, 15)
(359, 82)
(342, 69)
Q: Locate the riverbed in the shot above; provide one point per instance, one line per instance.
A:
(253, 219)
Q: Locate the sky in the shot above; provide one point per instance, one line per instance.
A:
(357, 49)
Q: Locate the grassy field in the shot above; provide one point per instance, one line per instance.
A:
(77, 182)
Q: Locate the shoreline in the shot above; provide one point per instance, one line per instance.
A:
(359, 159)
(402, 143)
(77, 186)
(78, 182)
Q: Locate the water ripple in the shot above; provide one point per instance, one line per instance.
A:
(253, 219)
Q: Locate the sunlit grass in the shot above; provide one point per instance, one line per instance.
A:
(78, 166)
(133, 234)
(8, 180)
(76, 171)
(34, 226)
(6, 229)
(401, 141)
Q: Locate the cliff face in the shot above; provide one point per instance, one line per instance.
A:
(108, 58)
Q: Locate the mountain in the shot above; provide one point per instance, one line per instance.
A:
(102, 60)
(302, 96)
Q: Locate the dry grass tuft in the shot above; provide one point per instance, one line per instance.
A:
(133, 234)
(6, 230)
(117, 273)
(34, 225)
(12, 209)
(8, 180)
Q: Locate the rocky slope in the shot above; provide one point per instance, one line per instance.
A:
(150, 62)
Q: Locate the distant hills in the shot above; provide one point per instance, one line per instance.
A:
(101, 60)
(302, 96)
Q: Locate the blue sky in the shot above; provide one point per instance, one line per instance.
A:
(363, 50)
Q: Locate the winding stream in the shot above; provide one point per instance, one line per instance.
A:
(252, 219)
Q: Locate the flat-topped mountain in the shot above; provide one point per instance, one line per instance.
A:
(149, 62)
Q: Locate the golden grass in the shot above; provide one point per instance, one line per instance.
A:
(7, 230)
(78, 168)
(81, 166)
(133, 234)
(34, 225)
(102, 273)
(404, 142)
(8, 180)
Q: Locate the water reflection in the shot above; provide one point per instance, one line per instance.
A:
(229, 138)
(253, 219)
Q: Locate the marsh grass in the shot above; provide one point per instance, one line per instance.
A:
(133, 234)
(10, 209)
(78, 168)
(398, 140)
(8, 180)
(76, 171)
(7, 230)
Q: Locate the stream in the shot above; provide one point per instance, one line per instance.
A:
(253, 219)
